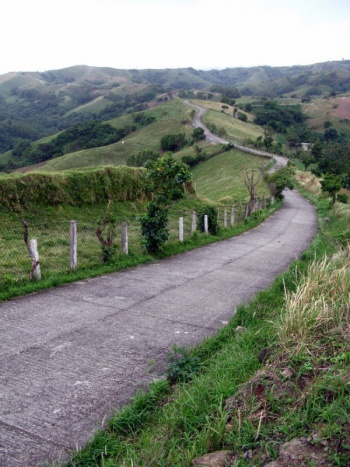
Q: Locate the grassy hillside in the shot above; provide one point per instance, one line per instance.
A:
(219, 178)
(34, 105)
(334, 110)
(223, 119)
(171, 117)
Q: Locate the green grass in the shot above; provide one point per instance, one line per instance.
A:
(220, 179)
(170, 426)
(236, 130)
(171, 117)
(53, 238)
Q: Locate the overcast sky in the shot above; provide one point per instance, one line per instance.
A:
(38, 35)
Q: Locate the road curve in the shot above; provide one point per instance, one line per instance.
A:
(71, 355)
(214, 139)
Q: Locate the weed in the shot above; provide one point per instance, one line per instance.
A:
(182, 365)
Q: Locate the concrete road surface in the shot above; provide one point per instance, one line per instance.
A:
(71, 355)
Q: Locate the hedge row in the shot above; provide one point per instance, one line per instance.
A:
(73, 188)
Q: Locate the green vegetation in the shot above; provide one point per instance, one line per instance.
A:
(224, 124)
(277, 373)
(48, 201)
(165, 119)
(220, 178)
(331, 184)
(166, 181)
(20, 192)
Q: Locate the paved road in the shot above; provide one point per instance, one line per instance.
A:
(214, 139)
(70, 355)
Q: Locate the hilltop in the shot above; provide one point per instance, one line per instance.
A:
(38, 104)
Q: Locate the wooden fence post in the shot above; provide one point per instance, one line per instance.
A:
(246, 211)
(206, 224)
(181, 229)
(125, 238)
(194, 222)
(233, 212)
(35, 259)
(225, 218)
(73, 243)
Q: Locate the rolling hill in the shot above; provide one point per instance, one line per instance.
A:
(34, 104)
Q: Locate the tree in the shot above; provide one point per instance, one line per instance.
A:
(172, 142)
(278, 181)
(166, 181)
(198, 134)
(331, 184)
(252, 179)
(242, 116)
(142, 157)
(268, 139)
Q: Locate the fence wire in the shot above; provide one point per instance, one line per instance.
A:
(53, 239)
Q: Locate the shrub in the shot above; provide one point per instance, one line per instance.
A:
(242, 116)
(212, 213)
(173, 142)
(154, 227)
(342, 198)
(198, 134)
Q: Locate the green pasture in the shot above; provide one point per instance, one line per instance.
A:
(220, 178)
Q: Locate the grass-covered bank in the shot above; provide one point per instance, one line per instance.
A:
(271, 377)
(16, 288)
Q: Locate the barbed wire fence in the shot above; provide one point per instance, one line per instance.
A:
(61, 247)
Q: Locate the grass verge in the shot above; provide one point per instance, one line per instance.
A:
(272, 384)
(16, 289)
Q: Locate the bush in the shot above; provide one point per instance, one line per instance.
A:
(142, 157)
(173, 142)
(212, 213)
(342, 198)
(154, 227)
(242, 116)
(198, 134)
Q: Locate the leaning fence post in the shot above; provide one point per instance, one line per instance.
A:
(194, 222)
(181, 229)
(125, 238)
(233, 212)
(35, 259)
(73, 243)
(225, 218)
(246, 211)
(206, 225)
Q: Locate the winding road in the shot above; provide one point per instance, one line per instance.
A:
(214, 139)
(70, 356)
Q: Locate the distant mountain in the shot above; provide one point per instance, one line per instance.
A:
(34, 105)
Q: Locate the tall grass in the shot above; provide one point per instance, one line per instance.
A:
(309, 181)
(319, 306)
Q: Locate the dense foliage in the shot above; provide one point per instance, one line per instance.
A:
(73, 188)
(329, 157)
(278, 117)
(166, 180)
(281, 179)
(173, 142)
(81, 136)
(139, 159)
